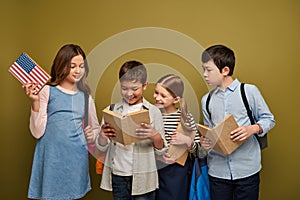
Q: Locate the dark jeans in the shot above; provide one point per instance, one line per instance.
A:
(240, 189)
(122, 189)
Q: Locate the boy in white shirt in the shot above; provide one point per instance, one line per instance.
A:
(130, 171)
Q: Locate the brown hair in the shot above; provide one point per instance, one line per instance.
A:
(175, 86)
(62, 65)
(222, 57)
(133, 71)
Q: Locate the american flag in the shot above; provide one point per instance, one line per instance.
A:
(27, 70)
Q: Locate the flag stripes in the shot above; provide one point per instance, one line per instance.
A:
(26, 70)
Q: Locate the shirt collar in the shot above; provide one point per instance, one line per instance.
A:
(121, 104)
(232, 87)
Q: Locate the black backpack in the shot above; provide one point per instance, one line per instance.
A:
(263, 141)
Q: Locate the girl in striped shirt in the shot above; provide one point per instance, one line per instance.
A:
(174, 179)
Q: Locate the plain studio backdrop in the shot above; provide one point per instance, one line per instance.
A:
(263, 34)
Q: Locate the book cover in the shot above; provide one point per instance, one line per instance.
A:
(25, 69)
(125, 125)
(180, 151)
(220, 135)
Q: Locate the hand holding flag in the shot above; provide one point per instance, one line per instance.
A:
(26, 70)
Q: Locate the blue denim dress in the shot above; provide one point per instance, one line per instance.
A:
(60, 164)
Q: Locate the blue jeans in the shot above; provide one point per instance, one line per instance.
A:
(122, 185)
(240, 189)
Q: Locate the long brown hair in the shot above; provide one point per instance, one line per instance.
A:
(62, 65)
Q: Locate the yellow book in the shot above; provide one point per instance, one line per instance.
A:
(220, 135)
(125, 125)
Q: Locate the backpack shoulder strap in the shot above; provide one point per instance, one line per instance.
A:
(249, 112)
(145, 108)
(86, 109)
(111, 107)
(207, 104)
(263, 141)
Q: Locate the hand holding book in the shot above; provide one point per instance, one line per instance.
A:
(123, 128)
(108, 130)
(220, 135)
(180, 151)
(145, 130)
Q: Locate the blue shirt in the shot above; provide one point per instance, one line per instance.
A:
(246, 159)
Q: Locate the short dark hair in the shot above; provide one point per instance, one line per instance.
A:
(222, 57)
(133, 71)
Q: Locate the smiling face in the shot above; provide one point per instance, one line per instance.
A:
(164, 100)
(77, 70)
(132, 91)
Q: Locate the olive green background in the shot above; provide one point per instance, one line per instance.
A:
(263, 34)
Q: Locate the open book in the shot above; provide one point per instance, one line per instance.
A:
(220, 135)
(125, 125)
(180, 151)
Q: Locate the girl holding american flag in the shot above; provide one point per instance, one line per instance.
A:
(60, 164)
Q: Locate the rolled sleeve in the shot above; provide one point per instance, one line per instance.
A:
(102, 148)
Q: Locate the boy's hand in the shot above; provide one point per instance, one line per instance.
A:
(146, 131)
(206, 143)
(107, 131)
(89, 135)
(244, 132)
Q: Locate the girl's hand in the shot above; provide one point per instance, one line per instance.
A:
(179, 139)
(146, 131)
(168, 159)
(89, 135)
(30, 91)
(206, 143)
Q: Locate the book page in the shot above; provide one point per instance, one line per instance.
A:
(131, 122)
(220, 135)
(125, 125)
(114, 119)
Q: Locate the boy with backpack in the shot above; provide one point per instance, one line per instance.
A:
(234, 176)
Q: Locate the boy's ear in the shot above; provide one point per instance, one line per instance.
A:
(145, 85)
(225, 71)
